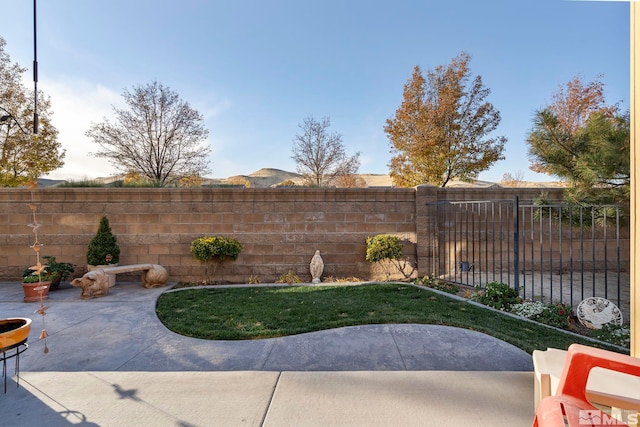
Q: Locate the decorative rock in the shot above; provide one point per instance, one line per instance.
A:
(595, 312)
(316, 266)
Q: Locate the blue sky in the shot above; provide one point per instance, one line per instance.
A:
(257, 68)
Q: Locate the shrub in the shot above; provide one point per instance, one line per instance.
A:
(499, 296)
(103, 248)
(528, 309)
(383, 246)
(614, 334)
(351, 279)
(440, 285)
(386, 249)
(290, 278)
(79, 184)
(557, 314)
(215, 248)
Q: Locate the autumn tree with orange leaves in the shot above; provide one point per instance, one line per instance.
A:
(584, 142)
(24, 156)
(440, 132)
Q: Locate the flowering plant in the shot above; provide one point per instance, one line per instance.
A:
(615, 334)
(557, 314)
(528, 309)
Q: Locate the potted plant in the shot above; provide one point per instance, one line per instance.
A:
(64, 269)
(36, 285)
(103, 249)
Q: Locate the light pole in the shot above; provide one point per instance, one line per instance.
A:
(5, 119)
(35, 73)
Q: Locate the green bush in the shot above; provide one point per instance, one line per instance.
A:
(212, 248)
(441, 285)
(614, 334)
(383, 246)
(500, 296)
(103, 248)
(557, 314)
(386, 249)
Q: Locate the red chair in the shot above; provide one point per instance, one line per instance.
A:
(569, 406)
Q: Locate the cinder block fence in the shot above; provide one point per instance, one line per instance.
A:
(280, 229)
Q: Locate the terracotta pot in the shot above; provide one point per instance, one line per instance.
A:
(14, 330)
(32, 291)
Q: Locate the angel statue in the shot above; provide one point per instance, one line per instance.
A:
(316, 266)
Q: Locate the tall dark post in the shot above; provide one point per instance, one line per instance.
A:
(516, 243)
(35, 72)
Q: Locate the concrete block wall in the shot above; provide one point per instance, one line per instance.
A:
(280, 229)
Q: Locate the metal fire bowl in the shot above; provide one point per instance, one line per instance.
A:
(20, 328)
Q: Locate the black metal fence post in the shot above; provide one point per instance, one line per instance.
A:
(516, 244)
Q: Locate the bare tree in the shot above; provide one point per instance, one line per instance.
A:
(159, 136)
(512, 179)
(320, 155)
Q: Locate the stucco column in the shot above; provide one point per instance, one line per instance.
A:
(635, 164)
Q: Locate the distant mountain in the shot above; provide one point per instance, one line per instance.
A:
(270, 177)
(265, 178)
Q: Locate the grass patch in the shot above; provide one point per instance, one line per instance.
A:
(267, 312)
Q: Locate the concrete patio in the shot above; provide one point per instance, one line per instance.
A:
(112, 363)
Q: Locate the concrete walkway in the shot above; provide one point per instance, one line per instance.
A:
(112, 363)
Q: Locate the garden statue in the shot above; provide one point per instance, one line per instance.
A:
(316, 266)
(94, 284)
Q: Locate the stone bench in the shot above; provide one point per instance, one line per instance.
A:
(95, 283)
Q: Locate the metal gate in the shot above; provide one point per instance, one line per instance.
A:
(546, 252)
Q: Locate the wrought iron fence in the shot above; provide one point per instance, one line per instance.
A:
(547, 252)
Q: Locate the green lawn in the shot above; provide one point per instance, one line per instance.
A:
(264, 312)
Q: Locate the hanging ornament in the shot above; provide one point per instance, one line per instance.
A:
(39, 267)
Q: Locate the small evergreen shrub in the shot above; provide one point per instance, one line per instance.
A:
(499, 296)
(103, 248)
